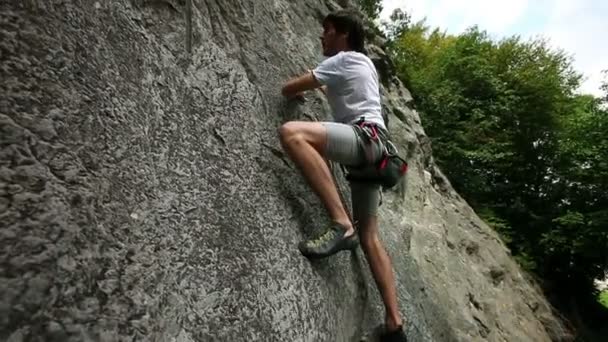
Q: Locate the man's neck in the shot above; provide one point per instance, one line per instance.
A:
(343, 47)
(346, 49)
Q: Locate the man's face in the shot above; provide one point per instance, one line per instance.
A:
(330, 40)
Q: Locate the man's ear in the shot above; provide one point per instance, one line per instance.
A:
(344, 36)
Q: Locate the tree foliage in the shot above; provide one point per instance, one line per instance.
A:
(399, 22)
(516, 140)
(371, 7)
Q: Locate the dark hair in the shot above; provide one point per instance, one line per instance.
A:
(345, 21)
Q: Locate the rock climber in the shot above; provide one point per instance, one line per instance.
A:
(350, 81)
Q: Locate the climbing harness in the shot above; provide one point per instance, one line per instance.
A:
(389, 169)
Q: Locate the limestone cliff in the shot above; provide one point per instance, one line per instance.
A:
(144, 195)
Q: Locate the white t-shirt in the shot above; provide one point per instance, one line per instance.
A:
(353, 89)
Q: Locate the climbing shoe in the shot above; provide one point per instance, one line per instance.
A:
(329, 243)
(393, 336)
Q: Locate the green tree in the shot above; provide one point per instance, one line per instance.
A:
(578, 243)
(399, 23)
(604, 87)
(515, 140)
(371, 7)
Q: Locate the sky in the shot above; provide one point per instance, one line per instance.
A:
(580, 27)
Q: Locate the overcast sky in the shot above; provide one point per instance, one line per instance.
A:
(580, 27)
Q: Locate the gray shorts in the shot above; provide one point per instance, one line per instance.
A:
(343, 147)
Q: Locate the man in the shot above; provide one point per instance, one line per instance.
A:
(350, 81)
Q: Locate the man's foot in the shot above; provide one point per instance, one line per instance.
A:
(393, 336)
(329, 243)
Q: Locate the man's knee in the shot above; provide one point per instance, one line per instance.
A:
(369, 240)
(294, 132)
(368, 232)
(288, 131)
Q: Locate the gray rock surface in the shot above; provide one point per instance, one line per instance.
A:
(144, 195)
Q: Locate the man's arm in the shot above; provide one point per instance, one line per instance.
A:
(300, 84)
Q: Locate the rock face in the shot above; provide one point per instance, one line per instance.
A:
(144, 194)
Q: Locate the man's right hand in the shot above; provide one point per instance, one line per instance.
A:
(297, 85)
(299, 96)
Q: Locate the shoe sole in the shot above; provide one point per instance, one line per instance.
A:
(347, 247)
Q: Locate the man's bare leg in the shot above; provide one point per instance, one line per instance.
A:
(382, 270)
(305, 143)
